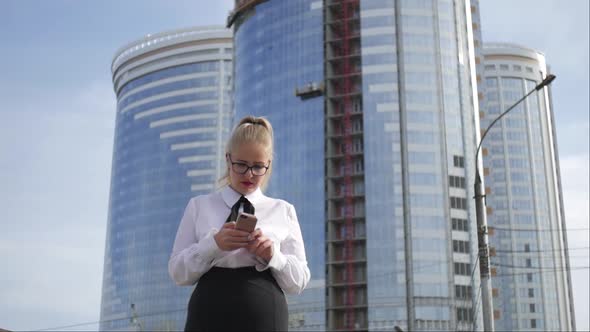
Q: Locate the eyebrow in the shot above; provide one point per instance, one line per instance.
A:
(255, 162)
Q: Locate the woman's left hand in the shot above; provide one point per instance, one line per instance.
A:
(261, 245)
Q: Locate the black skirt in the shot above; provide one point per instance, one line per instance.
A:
(240, 299)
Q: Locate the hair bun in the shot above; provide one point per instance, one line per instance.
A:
(254, 121)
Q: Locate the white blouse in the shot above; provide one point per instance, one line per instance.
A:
(195, 250)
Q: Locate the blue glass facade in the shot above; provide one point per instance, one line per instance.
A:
(173, 118)
(533, 287)
(418, 143)
(278, 48)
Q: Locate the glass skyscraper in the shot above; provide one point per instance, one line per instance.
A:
(279, 48)
(173, 117)
(530, 276)
(373, 104)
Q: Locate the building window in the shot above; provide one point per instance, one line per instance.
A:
(504, 67)
(460, 224)
(463, 292)
(529, 277)
(532, 307)
(461, 246)
(457, 181)
(490, 67)
(357, 126)
(458, 203)
(356, 107)
(517, 67)
(462, 269)
(342, 231)
(458, 161)
(491, 82)
(531, 292)
(358, 166)
(358, 145)
(464, 315)
(343, 148)
(533, 323)
(529, 69)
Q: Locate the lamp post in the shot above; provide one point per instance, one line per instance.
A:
(482, 228)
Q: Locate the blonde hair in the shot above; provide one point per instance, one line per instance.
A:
(251, 129)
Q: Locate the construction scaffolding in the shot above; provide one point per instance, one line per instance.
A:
(346, 243)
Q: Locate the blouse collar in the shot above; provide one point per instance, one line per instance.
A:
(230, 196)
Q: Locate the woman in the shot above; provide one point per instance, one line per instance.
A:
(242, 277)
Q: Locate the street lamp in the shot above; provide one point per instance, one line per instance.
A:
(482, 228)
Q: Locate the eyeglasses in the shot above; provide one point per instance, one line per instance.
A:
(242, 168)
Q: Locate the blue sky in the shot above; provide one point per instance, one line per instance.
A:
(58, 110)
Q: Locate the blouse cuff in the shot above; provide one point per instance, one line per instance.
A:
(277, 261)
(208, 247)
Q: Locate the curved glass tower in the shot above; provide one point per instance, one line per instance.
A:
(530, 271)
(173, 117)
(373, 103)
(419, 132)
(278, 49)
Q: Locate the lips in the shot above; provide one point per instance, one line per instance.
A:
(247, 184)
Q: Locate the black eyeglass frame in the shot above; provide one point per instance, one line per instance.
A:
(248, 168)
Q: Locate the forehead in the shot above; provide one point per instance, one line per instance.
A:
(252, 152)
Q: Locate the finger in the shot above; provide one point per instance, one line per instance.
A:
(257, 242)
(234, 234)
(256, 233)
(263, 246)
(233, 246)
(261, 239)
(238, 240)
(254, 244)
(251, 247)
(237, 232)
(261, 250)
(230, 225)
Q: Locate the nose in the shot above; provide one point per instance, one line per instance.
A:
(249, 173)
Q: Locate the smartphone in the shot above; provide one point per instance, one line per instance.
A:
(246, 222)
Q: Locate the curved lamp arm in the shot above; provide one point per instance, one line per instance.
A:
(539, 86)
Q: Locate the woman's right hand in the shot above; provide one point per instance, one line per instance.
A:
(229, 238)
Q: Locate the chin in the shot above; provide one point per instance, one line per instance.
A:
(251, 189)
(245, 190)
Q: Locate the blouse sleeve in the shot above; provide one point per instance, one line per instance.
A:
(191, 257)
(288, 263)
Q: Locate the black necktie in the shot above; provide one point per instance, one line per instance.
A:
(248, 208)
